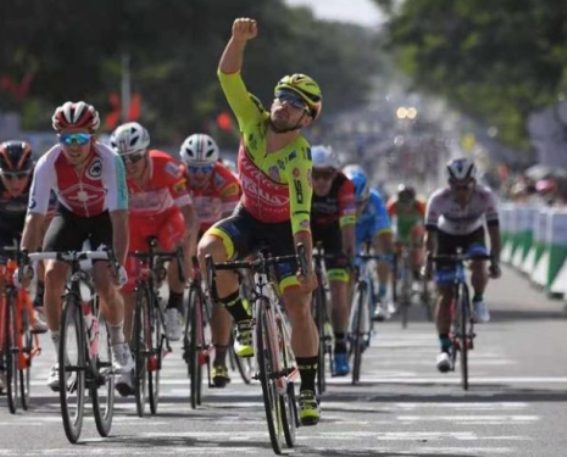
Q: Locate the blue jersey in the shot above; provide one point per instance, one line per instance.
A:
(372, 220)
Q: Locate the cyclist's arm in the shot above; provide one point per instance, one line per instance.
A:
(33, 231)
(233, 54)
(493, 224)
(192, 223)
(39, 204)
(119, 220)
(347, 218)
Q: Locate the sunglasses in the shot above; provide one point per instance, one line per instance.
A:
(78, 138)
(200, 168)
(292, 99)
(15, 175)
(134, 157)
(322, 174)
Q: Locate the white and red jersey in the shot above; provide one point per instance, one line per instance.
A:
(165, 190)
(446, 214)
(100, 186)
(219, 197)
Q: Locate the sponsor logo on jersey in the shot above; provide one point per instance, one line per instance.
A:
(295, 172)
(95, 169)
(298, 190)
(274, 173)
(172, 169)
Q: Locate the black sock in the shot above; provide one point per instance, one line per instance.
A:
(445, 342)
(175, 301)
(340, 342)
(235, 307)
(477, 297)
(220, 355)
(307, 371)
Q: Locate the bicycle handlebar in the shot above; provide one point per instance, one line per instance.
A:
(459, 257)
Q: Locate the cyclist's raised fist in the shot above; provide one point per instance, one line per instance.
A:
(244, 29)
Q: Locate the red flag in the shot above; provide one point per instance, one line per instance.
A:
(224, 121)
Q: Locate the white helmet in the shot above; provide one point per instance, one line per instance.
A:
(129, 138)
(199, 148)
(461, 169)
(324, 157)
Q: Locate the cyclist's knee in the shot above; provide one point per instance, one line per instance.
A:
(55, 274)
(212, 245)
(296, 303)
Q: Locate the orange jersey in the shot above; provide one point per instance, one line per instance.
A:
(217, 198)
(165, 190)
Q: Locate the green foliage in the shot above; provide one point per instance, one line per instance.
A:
(74, 48)
(496, 60)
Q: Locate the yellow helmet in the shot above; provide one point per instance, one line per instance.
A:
(307, 89)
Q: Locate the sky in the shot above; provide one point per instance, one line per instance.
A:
(363, 12)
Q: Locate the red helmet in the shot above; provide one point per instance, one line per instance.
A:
(75, 115)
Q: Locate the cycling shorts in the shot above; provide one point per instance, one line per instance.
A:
(68, 231)
(242, 235)
(168, 227)
(448, 244)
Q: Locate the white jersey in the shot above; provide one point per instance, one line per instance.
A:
(445, 214)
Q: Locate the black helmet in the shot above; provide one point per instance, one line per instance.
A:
(406, 193)
(15, 157)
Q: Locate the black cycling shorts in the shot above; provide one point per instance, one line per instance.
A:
(68, 232)
(447, 244)
(246, 235)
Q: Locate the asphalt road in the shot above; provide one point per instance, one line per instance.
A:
(403, 407)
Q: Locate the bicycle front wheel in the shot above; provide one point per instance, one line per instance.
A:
(266, 358)
(357, 331)
(24, 360)
(11, 353)
(155, 339)
(141, 347)
(71, 359)
(320, 314)
(464, 319)
(195, 343)
(102, 389)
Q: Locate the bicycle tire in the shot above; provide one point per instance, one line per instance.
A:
(288, 406)
(405, 296)
(464, 313)
(26, 354)
(320, 322)
(155, 338)
(11, 353)
(195, 342)
(357, 337)
(394, 277)
(71, 357)
(141, 347)
(103, 405)
(270, 395)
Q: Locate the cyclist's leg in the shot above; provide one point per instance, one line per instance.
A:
(385, 244)
(304, 336)
(112, 305)
(62, 235)
(479, 276)
(230, 238)
(170, 229)
(417, 254)
(446, 245)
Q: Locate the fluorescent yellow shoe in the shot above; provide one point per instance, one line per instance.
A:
(243, 343)
(219, 375)
(309, 413)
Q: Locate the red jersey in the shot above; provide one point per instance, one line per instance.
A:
(218, 197)
(165, 190)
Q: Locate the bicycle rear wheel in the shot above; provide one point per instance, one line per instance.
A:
(141, 348)
(357, 332)
(102, 388)
(11, 352)
(288, 406)
(154, 336)
(464, 318)
(71, 359)
(266, 354)
(244, 365)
